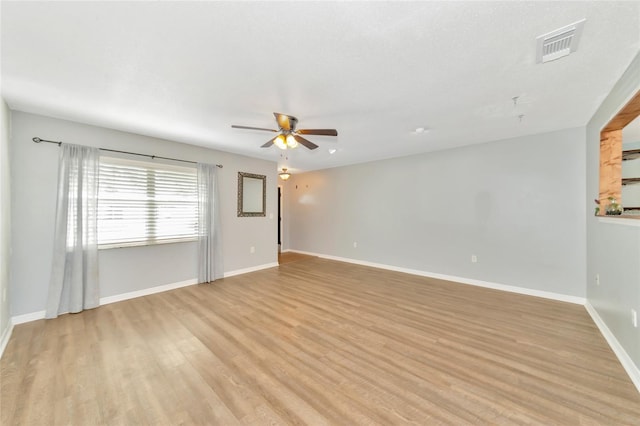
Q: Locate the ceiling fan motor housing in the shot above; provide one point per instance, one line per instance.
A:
(289, 137)
(292, 123)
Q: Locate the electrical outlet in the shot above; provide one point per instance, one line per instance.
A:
(634, 318)
(474, 258)
(355, 244)
(597, 279)
(252, 249)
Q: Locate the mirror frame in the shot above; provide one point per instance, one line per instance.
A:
(241, 211)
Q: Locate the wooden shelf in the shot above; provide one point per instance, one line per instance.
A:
(630, 154)
(630, 181)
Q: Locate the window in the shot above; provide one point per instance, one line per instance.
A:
(143, 203)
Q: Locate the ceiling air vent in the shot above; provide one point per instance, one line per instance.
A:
(558, 43)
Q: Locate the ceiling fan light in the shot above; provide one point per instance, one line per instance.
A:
(280, 143)
(284, 175)
(291, 142)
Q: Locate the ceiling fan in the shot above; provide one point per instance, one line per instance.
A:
(289, 136)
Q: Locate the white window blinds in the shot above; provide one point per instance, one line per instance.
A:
(142, 203)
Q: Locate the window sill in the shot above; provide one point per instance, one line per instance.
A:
(145, 243)
(626, 220)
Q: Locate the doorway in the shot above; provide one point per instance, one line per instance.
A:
(279, 218)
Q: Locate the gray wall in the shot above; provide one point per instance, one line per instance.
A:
(613, 250)
(517, 204)
(34, 179)
(5, 211)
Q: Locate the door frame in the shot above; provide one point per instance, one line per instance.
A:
(280, 216)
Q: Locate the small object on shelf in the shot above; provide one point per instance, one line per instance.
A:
(613, 208)
(598, 206)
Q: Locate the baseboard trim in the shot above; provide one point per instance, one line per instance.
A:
(627, 363)
(6, 335)
(512, 289)
(147, 291)
(34, 316)
(251, 269)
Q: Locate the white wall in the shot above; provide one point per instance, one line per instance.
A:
(613, 250)
(34, 179)
(517, 204)
(5, 226)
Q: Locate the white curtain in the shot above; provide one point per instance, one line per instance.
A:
(209, 230)
(74, 274)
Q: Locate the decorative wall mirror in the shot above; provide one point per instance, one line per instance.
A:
(252, 195)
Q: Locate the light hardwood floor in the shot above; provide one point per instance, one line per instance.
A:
(318, 342)
(288, 257)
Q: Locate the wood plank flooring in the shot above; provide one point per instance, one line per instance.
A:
(288, 257)
(318, 342)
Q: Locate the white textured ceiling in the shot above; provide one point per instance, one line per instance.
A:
(374, 71)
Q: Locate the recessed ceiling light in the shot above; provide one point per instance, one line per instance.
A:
(420, 130)
(332, 151)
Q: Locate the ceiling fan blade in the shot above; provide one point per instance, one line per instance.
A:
(252, 128)
(304, 142)
(320, 132)
(268, 144)
(286, 122)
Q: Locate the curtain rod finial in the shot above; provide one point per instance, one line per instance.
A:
(36, 139)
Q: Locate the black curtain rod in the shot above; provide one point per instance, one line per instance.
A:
(38, 140)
